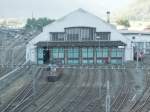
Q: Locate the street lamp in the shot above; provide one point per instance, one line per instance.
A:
(122, 59)
(137, 52)
(98, 37)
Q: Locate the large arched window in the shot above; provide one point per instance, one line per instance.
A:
(80, 33)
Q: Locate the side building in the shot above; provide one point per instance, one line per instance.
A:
(139, 39)
(79, 38)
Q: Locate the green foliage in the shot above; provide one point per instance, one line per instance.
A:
(37, 24)
(123, 22)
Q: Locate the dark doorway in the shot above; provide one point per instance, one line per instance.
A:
(46, 56)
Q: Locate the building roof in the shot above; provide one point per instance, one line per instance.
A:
(78, 18)
(134, 32)
(81, 44)
(139, 36)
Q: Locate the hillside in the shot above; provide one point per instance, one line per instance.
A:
(137, 10)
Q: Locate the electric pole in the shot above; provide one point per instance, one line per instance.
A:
(108, 97)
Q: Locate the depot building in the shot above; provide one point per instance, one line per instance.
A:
(79, 38)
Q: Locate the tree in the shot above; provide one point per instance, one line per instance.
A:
(124, 22)
(37, 24)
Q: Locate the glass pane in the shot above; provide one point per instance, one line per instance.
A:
(76, 61)
(61, 55)
(113, 61)
(73, 61)
(40, 61)
(55, 55)
(99, 52)
(99, 61)
(105, 52)
(73, 53)
(113, 53)
(90, 53)
(55, 50)
(85, 62)
(70, 55)
(90, 61)
(84, 52)
(85, 33)
(40, 52)
(120, 53)
(103, 35)
(116, 61)
(62, 61)
(58, 53)
(76, 55)
(70, 62)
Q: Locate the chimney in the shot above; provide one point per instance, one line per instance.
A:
(108, 16)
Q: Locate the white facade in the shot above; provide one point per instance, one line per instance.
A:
(78, 18)
(140, 39)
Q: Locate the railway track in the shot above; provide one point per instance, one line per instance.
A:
(95, 103)
(72, 93)
(62, 101)
(21, 95)
(31, 99)
(69, 106)
(85, 99)
(12, 59)
(41, 94)
(59, 92)
(4, 70)
(143, 102)
(123, 94)
(76, 101)
(12, 54)
(95, 89)
(87, 94)
(120, 99)
(144, 99)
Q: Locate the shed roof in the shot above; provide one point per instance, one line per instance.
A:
(81, 44)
